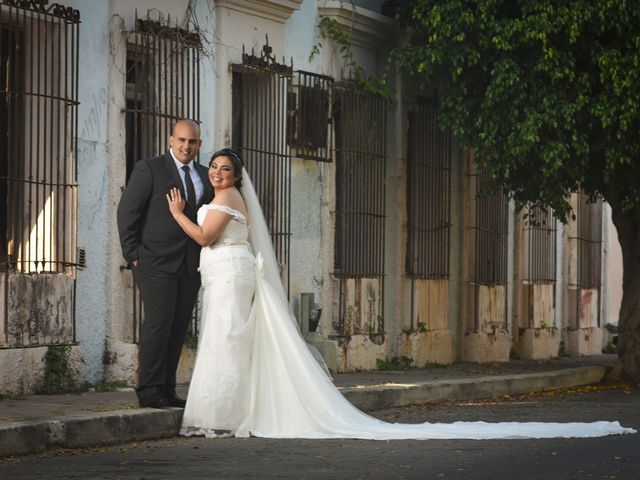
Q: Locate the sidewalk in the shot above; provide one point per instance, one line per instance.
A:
(38, 422)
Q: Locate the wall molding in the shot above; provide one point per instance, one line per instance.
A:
(276, 10)
(368, 28)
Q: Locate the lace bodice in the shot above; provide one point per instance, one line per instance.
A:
(236, 231)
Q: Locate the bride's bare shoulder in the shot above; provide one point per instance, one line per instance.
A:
(231, 198)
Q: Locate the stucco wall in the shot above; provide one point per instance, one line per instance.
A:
(39, 309)
(94, 186)
(612, 275)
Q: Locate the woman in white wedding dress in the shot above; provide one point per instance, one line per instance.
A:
(254, 374)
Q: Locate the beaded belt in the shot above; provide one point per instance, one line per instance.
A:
(231, 243)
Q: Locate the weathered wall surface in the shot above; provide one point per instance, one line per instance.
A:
(39, 309)
(94, 181)
(22, 369)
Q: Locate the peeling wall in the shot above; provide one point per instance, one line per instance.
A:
(359, 352)
(94, 182)
(23, 368)
(39, 309)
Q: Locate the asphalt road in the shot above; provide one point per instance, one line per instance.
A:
(614, 457)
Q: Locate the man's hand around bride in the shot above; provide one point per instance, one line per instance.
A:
(176, 202)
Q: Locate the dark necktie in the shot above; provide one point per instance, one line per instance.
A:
(191, 191)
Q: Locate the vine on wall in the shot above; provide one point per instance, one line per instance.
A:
(330, 29)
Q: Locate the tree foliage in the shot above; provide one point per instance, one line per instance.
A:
(546, 92)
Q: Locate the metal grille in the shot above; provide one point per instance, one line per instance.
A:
(38, 124)
(309, 119)
(586, 278)
(428, 195)
(360, 125)
(360, 151)
(162, 86)
(540, 233)
(488, 272)
(538, 262)
(589, 239)
(260, 89)
(490, 232)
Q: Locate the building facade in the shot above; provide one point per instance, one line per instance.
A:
(387, 252)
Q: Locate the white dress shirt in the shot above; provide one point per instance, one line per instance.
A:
(195, 177)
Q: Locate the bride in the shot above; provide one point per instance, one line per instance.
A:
(254, 374)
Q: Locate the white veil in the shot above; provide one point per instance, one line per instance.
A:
(259, 236)
(262, 247)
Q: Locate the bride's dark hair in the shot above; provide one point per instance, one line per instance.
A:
(236, 161)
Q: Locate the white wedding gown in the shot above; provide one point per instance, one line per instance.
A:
(255, 376)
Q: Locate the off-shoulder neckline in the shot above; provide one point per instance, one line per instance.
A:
(227, 209)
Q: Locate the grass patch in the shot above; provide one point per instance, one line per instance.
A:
(59, 375)
(395, 363)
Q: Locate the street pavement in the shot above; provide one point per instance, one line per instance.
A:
(612, 457)
(36, 423)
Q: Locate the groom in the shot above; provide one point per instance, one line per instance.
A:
(164, 261)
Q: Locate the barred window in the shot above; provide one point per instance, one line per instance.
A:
(428, 195)
(162, 86)
(260, 94)
(360, 129)
(360, 156)
(38, 172)
(490, 234)
(488, 255)
(537, 269)
(309, 119)
(38, 123)
(585, 262)
(589, 219)
(540, 246)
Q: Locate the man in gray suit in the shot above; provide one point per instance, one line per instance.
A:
(163, 259)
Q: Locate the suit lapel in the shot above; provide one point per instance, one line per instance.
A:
(170, 166)
(207, 192)
(172, 170)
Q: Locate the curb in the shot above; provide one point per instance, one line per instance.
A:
(402, 395)
(122, 426)
(76, 431)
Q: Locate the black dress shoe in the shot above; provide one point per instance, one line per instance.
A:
(153, 401)
(174, 400)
